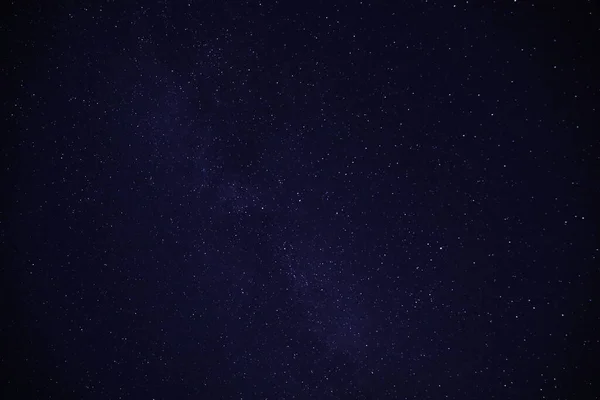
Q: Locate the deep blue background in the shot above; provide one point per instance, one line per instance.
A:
(306, 200)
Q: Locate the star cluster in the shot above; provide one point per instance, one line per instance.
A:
(292, 200)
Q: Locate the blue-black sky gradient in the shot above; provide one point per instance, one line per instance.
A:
(300, 200)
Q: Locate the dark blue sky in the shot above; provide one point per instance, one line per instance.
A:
(300, 200)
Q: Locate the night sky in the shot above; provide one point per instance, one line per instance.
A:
(300, 200)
